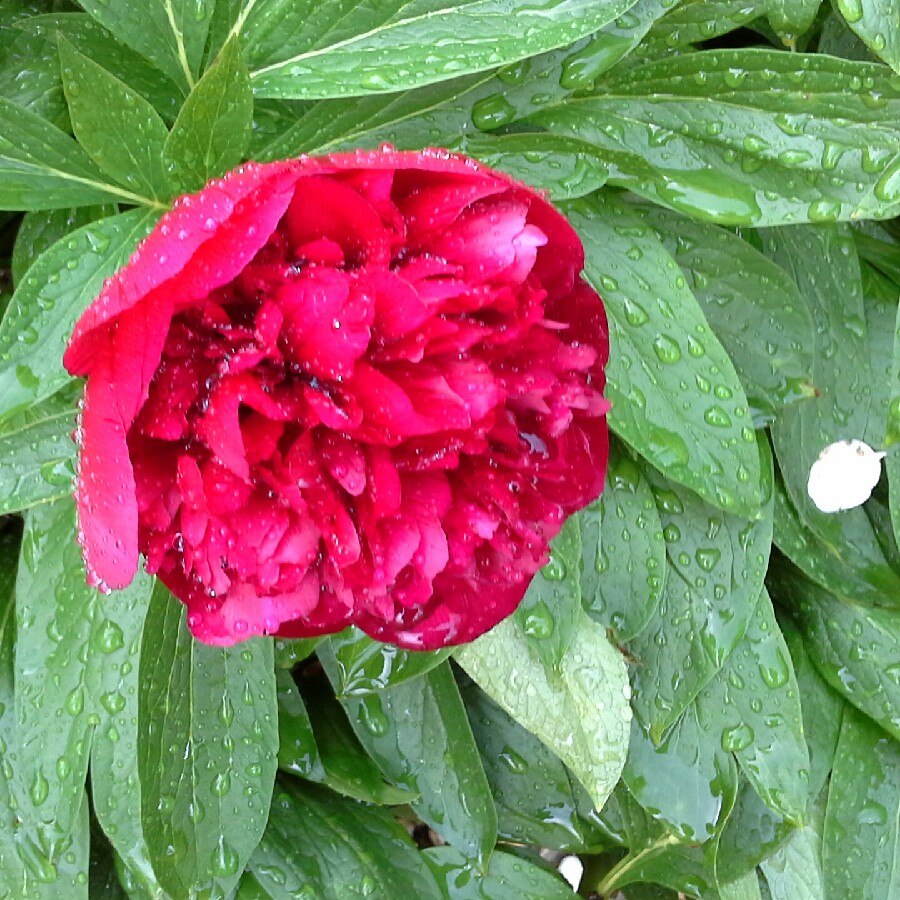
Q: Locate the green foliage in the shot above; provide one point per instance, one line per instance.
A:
(680, 705)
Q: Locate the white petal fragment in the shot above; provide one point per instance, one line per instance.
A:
(844, 475)
(571, 868)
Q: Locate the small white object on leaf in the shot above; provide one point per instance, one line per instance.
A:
(844, 475)
(571, 868)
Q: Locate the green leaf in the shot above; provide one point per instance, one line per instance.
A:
(319, 845)
(438, 115)
(623, 566)
(882, 254)
(794, 870)
(537, 799)
(612, 43)
(364, 665)
(27, 865)
(752, 708)
(297, 749)
(40, 229)
(822, 710)
(115, 789)
(120, 130)
(171, 34)
(861, 840)
(37, 456)
(689, 781)
(716, 566)
(695, 21)
(506, 876)
(70, 651)
(850, 562)
(580, 710)
(744, 888)
(211, 132)
(58, 288)
(565, 169)
(348, 768)
(547, 612)
(676, 398)
(751, 833)
(791, 18)
(770, 338)
(892, 433)
(705, 134)
(419, 735)
(397, 45)
(41, 91)
(857, 650)
(290, 651)
(41, 167)
(877, 25)
(207, 737)
(95, 42)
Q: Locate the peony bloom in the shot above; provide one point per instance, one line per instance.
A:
(357, 389)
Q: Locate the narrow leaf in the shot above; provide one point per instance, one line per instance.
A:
(207, 745)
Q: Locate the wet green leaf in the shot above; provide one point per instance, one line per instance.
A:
(861, 840)
(39, 230)
(37, 455)
(171, 35)
(538, 801)
(752, 305)
(365, 665)
(877, 25)
(59, 286)
(716, 565)
(676, 398)
(564, 168)
(794, 870)
(791, 18)
(623, 566)
(688, 782)
(892, 433)
(290, 651)
(42, 167)
(418, 734)
(297, 749)
(506, 876)
(95, 42)
(312, 53)
(857, 650)
(752, 708)
(694, 21)
(210, 135)
(41, 92)
(348, 768)
(579, 710)
(322, 846)
(547, 613)
(120, 130)
(206, 750)
(705, 134)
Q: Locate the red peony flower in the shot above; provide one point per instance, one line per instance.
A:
(357, 389)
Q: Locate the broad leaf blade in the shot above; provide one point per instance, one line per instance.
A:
(861, 841)
(41, 167)
(418, 734)
(396, 46)
(118, 128)
(212, 130)
(345, 849)
(878, 26)
(171, 34)
(580, 712)
(676, 398)
(217, 707)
